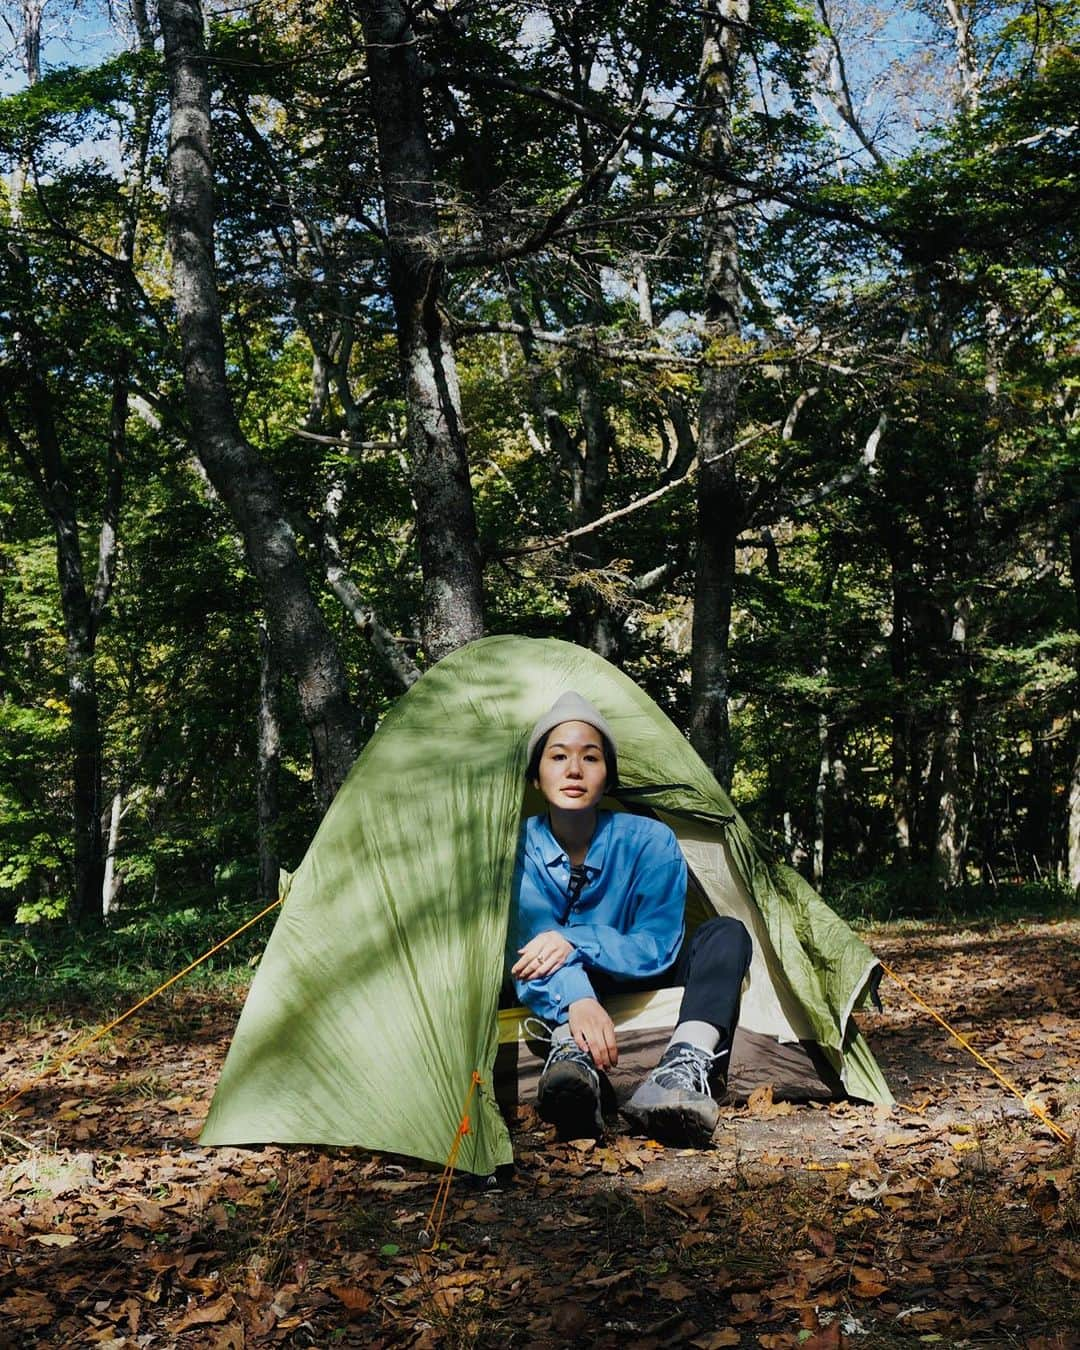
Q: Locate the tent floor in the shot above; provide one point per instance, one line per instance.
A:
(797, 1072)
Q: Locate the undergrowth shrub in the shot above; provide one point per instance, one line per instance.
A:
(890, 894)
(54, 963)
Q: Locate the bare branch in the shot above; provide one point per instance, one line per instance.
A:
(840, 91)
(865, 465)
(756, 191)
(623, 511)
(639, 356)
(655, 576)
(341, 440)
(532, 243)
(795, 410)
(321, 534)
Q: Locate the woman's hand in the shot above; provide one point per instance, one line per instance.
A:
(594, 1031)
(541, 955)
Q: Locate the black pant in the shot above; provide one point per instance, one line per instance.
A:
(711, 965)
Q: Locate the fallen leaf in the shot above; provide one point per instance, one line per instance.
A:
(204, 1316)
(828, 1338)
(760, 1101)
(674, 1291)
(33, 1310)
(54, 1239)
(355, 1299)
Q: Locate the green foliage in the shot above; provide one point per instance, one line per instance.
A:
(887, 896)
(54, 965)
(934, 285)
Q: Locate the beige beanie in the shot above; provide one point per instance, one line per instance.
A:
(570, 707)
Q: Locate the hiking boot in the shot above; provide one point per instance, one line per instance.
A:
(568, 1096)
(675, 1103)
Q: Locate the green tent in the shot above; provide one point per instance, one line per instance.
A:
(377, 996)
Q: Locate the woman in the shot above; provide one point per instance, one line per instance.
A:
(600, 900)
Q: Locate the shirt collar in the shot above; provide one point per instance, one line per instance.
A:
(552, 851)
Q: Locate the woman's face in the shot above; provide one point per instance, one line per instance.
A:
(572, 773)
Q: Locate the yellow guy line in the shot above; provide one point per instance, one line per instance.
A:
(442, 1191)
(81, 1045)
(1033, 1107)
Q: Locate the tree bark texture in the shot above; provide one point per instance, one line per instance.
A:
(596, 623)
(110, 885)
(238, 473)
(950, 844)
(719, 498)
(268, 767)
(902, 809)
(438, 449)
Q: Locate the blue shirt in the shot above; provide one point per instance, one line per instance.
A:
(627, 920)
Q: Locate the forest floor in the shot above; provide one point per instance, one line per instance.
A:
(949, 1220)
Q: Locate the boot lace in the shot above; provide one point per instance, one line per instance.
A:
(686, 1066)
(562, 1051)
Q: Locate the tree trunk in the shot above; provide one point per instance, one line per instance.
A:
(52, 477)
(719, 499)
(267, 768)
(821, 787)
(596, 623)
(239, 474)
(951, 839)
(960, 17)
(1039, 814)
(901, 718)
(110, 886)
(438, 450)
(1072, 860)
(820, 790)
(1072, 834)
(953, 757)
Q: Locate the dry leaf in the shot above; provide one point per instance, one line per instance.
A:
(355, 1299)
(674, 1291)
(760, 1101)
(33, 1310)
(207, 1314)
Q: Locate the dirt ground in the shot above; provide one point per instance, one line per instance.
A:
(949, 1220)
